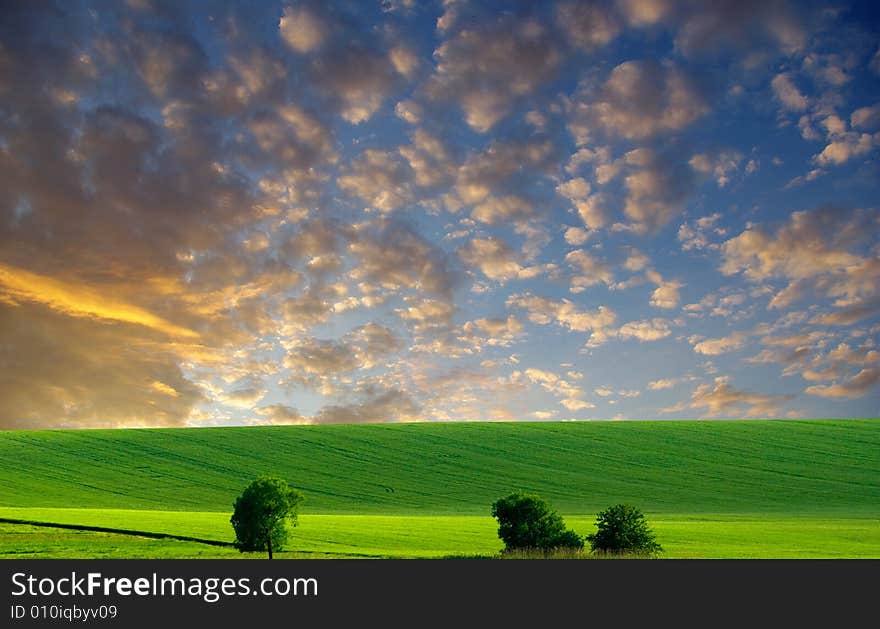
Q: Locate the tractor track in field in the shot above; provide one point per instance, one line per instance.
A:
(104, 529)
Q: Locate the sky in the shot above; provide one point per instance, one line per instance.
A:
(226, 213)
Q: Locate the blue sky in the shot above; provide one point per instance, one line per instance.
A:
(222, 213)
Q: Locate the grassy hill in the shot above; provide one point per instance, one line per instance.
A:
(808, 467)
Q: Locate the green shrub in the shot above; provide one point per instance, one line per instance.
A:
(623, 529)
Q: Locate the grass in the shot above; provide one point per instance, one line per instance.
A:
(711, 489)
(708, 536)
(459, 469)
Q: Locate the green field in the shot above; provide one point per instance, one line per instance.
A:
(710, 489)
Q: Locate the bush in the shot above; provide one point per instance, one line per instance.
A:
(623, 529)
(527, 521)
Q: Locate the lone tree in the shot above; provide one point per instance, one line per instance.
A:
(262, 514)
(527, 521)
(623, 529)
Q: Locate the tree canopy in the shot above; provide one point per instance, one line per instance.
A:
(262, 514)
(527, 521)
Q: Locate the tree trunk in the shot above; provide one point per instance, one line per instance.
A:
(269, 545)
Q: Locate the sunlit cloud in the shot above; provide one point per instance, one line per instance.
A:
(80, 300)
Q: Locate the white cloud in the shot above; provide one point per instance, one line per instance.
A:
(497, 261)
(651, 330)
(589, 271)
(714, 347)
(564, 313)
(666, 295)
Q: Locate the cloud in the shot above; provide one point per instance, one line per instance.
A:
(859, 385)
(304, 311)
(639, 100)
(651, 330)
(846, 147)
(720, 166)
(358, 78)
(392, 255)
(666, 383)
(787, 93)
(504, 169)
(636, 260)
(830, 69)
(487, 67)
(430, 160)
(83, 372)
(818, 248)
(497, 261)
(378, 178)
(715, 347)
(542, 311)
(499, 332)
(641, 13)
(576, 236)
(196, 213)
(569, 394)
(427, 314)
(850, 314)
(587, 26)
(315, 357)
(860, 356)
(168, 62)
(280, 415)
(588, 271)
(666, 295)
(604, 167)
(404, 60)
(866, 117)
(722, 400)
(697, 235)
(592, 211)
(302, 29)
(574, 189)
(76, 299)
(788, 295)
(794, 359)
(656, 189)
(387, 406)
(318, 363)
(409, 111)
(739, 26)
(244, 396)
(498, 209)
